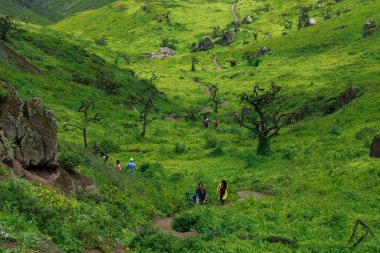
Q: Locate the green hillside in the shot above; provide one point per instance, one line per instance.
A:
(317, 181)
(46, 12)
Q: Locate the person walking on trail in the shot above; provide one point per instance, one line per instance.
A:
(216, 123)
(205, 122)
(221, 191)
(117, 165)
(131, 166)
(200, 196)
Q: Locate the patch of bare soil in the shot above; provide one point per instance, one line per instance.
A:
(21, 61)
(244, 195)
(165, 226)
(217, 65)
(170, 118)
(233, 10)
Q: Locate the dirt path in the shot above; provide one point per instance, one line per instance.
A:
(217, 65)
(244, 195)
(165, 226)
(233, 10)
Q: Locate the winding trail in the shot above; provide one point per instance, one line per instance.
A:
(215, 61)
(165, 224)
(233, 10)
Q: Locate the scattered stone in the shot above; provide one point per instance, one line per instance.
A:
(206, 44)
(311, 21)
(263, 51)
(247, 20)
(369, 28)
(375, 147)
(228, 38)
(204, 68)
(165, 51)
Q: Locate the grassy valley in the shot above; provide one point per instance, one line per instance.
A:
(317, 181)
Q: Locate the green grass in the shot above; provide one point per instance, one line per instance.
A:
(319, 175)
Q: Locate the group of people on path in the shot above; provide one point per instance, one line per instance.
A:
(206, 123)
(200, 195)
(131, 166)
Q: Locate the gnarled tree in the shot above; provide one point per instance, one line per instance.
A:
(143, 101)
(84, 108)
(194, 61)
(7, 24)
(261, 115)
(215, 95)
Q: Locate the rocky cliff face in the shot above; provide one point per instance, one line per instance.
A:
(28, 143)
(28, 133)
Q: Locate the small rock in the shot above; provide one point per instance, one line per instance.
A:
(247, 20)
(312, 21)
(205, 44)
(228, 38)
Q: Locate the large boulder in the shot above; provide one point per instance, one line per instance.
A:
(205, 44)
(28, 143)
(29, 128)
(228, 38)
(375, 147)
(247, 20)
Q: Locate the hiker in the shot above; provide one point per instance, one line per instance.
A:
(131, 166)
(200, 196)
(205, 122)
(216, 123)
(221, 191)
(117, 165)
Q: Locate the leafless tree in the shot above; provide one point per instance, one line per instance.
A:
(84, 108)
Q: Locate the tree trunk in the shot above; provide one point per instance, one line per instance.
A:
(4, 36)
(145, 122)
(192, 66)
(85, 137)
(216, 107)
(264, 146)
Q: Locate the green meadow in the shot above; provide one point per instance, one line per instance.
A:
(318, 178)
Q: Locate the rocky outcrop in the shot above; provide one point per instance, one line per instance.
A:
(228, 38)
(29, 131)
(247, 20)
(205, 44)
(28, 143)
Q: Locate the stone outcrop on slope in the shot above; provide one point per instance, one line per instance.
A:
(28, 143)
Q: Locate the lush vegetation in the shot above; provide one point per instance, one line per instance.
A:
(318, 174)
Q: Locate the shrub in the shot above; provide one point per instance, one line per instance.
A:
(108, 146)
(69, 160)
(179, 148)
(101, 41)
(250, 160)
(185, 221)
(211, 143)
(218, 151)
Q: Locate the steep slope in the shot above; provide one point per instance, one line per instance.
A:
(46, 12)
